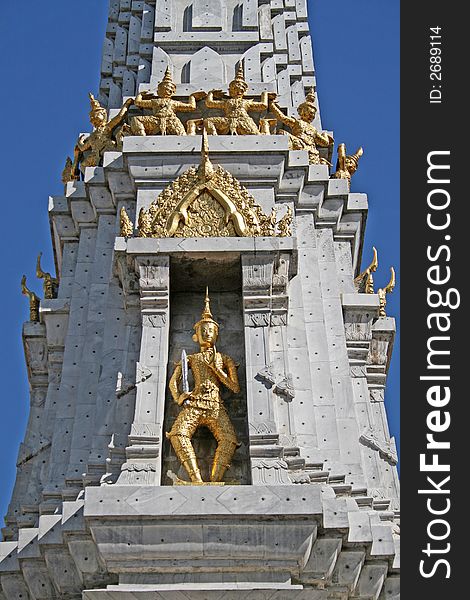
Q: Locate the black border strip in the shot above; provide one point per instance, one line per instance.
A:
(429, 125)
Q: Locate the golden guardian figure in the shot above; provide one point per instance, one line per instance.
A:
(203, 406)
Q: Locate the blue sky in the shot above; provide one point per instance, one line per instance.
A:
(50, 55)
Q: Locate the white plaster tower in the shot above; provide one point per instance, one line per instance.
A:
(153, 211)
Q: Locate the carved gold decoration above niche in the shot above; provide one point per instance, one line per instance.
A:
(209, 201)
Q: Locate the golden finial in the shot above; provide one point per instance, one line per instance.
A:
(283, 226)
(309, 100)
(95, 105)
(126, 227)
(355, 158)
(206, 169)
(207, 307)
(240, 72)
(67, 173)
(364, 282)
(240, 77)
(34, 301)
(206, 315)
(167, 81)
(144, 223)
(167, 78)
(50, 284)
(382, 293)
(311, 96)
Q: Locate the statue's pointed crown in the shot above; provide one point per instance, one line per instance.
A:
(310, 97)
(309, 100)
(356, 156)
(206, 315)
(95, 105)
(240, 76)
(167, 78)
(206, 168)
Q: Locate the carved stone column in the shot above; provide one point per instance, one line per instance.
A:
(267, 464)
(143, 465)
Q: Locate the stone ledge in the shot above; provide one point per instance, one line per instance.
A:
(253, 593)
(360, 301)
(191, 144)
(199, 501)
(141, 246)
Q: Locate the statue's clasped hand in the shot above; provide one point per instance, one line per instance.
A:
(183, 399)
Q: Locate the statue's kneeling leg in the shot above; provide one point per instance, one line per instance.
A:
(216, 125)
(185, 452)
(137, 127)
(227, 444)
(180, 437)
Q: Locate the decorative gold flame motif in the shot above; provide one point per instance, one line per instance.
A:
(382, 292)
(364, 282)
(209, 202)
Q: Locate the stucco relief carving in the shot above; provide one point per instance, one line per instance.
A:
(285, 388)
(36, 355)
(157, 320)
(369, 438)
(153, 276)
(378, 353)
(358, 327)
(270, 472)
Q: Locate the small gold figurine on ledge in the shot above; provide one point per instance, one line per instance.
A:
(126, 229)
(382, 293)
(144, 223)
(34, 301)
(67, 173)
(163, 120)
(346, 165)
(304, 136)
(90, 148)
(203, 406)
(236, 121)
(283, 226)
(51, 284)
(364, 282)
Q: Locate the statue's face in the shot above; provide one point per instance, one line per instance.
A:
(166, 89)
(207, 334)
(237, 89)
(350, 165)
(98, 118)
(307, 113)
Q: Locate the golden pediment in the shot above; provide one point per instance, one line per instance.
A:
(209, 201)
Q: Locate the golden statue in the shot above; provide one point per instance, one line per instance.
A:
(51, 284)
(90, 148)
(303, 135)
(382, 293)
(34, 301)
(126, 229)
(364, 282)
(203, 406)
(236, 121)
(346, 165)
(163, 119)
